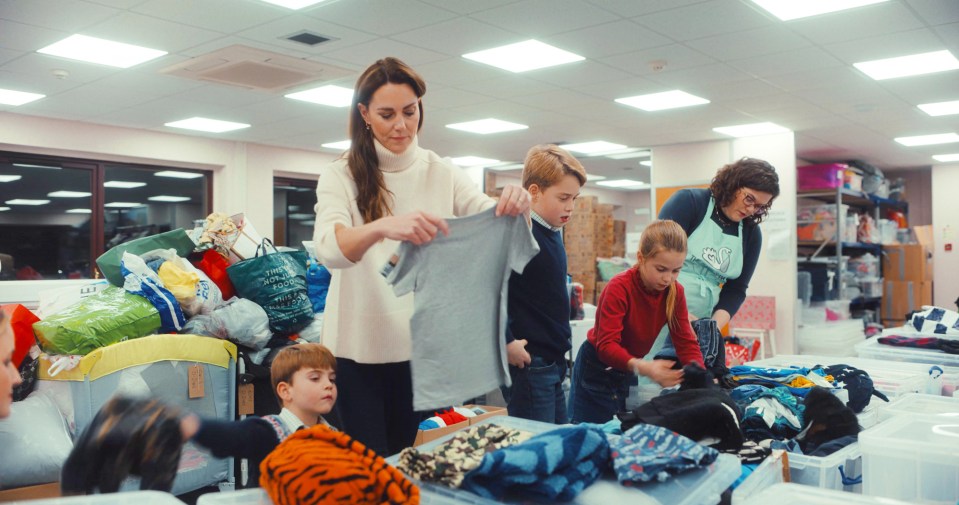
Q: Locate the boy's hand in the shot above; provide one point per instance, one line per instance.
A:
(514, 201)
(516, 354)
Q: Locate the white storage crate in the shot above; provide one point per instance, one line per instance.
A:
(766, 474)
(696, 487)
(912, 458)
(836, 338)
(794, 494)
(158, 366)
(138, 497)
(841, 470)
(872, 349)
(943, 407)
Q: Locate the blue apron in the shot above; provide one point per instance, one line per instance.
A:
(712, 257)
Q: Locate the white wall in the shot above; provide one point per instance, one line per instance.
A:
(945, 225)
(696, 163)
(242, 173)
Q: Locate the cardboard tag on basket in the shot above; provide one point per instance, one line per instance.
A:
(244, 401)
(196, 381)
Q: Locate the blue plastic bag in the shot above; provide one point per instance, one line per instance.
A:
(317, 285)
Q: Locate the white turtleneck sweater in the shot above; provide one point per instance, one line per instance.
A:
(364, 321)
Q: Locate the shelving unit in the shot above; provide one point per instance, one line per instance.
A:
(831, 251)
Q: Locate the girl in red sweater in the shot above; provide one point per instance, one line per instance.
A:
(632, 310)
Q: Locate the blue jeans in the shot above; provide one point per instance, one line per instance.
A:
(596, 394)
(537, 391)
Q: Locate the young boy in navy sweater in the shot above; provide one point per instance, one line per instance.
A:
(538, 332)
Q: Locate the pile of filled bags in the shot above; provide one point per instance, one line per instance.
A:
(195, 283)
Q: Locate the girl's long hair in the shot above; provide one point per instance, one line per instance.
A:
(663, 235)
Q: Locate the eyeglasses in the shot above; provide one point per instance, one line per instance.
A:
(749, 200)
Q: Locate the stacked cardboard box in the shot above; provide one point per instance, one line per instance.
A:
(907, 275)
(619, 238)
(590, 233)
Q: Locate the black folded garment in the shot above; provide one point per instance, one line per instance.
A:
(698, 414)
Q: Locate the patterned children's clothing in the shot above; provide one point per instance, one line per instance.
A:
(449, 463)
(646, 453)
(550, 467)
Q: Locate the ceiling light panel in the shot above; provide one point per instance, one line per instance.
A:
(787, 10)
(505, 166)
(3, 209)
(169, 199)
(622, 184)
(330, 95)
(123, 205)
(940, 108)
(294, 4)
(25, 201)
(661, 101)
(104, 52)
(473, 161)
(123, 184)
(79, 211)
(177, 175)
(207, 125)
(594, 147)
(11, 97)
(928, 140)
(524, 56)
(27, 165)
(904, 66)
(751, 130)
(10, 178)
(68, 194)
(487, 126)
(342, 145)
(946, 157)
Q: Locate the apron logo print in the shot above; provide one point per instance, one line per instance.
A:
(718, 260)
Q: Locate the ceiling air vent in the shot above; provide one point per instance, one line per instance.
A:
(252, 68)
(309, 38)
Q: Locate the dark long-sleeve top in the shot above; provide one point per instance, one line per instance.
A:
(252, 438)
(538, 303)
(688, 208)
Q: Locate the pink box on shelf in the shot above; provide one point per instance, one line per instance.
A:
(824, 176)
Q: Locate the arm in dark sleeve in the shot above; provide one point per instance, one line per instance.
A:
(734, 291)
(252, 438)
(685, 208)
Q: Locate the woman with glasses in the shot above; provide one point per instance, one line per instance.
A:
(724, 243)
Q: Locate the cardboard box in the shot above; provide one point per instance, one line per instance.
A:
(925, 294)
(51, 490)
(893, 323)
(424, 436)
(902, 297)
(906, 262)
(491, 411)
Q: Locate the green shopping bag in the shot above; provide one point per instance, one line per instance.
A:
(109, 262)
(275, 281)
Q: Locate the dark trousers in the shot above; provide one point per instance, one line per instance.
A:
(596, 394)
(537, 391)
(375, 403)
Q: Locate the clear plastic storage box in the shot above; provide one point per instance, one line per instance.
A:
(696, 487)
(912, 458)
(137, 497)
(943, 407)
(794, 494)
(949, 363)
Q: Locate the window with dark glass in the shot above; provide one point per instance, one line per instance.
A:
(58, 215)
(293, 217)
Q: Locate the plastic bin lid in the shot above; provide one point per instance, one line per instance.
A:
(871, 348)
(695, 487)
(796, 494)
(138, 497)
(920, 404)
(913, 432)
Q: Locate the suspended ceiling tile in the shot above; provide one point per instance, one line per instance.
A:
(749, 43)
(705, 19)
(541, 18)
(71, 16)
(859, 23)
(459, 36)
(608, 39)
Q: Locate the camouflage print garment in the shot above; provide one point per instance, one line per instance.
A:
(448, 463)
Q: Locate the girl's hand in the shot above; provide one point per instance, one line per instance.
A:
(659, 370)
(514, 201)
(416, 227)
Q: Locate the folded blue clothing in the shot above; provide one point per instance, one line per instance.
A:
(647, 452)
(552, 466)
(767, 372)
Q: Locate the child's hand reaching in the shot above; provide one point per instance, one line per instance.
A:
(659, 370)
(516, 354)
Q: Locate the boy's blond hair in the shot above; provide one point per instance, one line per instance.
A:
(293, 358)
(547, 164)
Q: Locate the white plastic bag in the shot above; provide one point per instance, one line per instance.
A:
(52, 301)
(35, 443)
(244, 322)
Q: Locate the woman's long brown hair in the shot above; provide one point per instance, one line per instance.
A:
(372, 197)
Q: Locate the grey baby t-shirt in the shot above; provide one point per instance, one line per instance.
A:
(460, 284)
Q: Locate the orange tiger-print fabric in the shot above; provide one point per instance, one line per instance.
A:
(322, 466)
